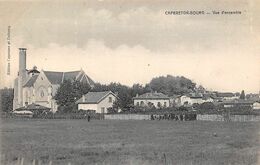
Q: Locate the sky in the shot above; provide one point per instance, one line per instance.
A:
(132, 42)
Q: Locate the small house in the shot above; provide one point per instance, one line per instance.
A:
(97, 101)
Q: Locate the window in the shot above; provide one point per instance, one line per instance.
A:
(102, 109)
(159, 105)
(165, 104)
(142, 103)
(42, 94)
(137, 104)
(110, 99)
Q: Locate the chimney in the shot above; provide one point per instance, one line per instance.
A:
(22, 61)
(22, 75)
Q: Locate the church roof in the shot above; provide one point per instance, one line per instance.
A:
(54, 77)
(31, 81)
(59, 77)
(94, 97)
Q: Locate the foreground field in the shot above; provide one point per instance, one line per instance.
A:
(128, 142)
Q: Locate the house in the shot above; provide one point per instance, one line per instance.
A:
(237, 103)
(40, 87)
(97, 101)
(189, 99)
(227, 96)
(256, 105)
(153, 99)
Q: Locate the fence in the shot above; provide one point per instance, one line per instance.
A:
(239, 118)
(127, 117)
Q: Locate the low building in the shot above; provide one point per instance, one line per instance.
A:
(36, 109)
(237, 103)
(227, 96)
(256, 105)
(157, 100)
(97, 101)
(189, 99)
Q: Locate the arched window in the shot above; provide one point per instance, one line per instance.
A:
(42, 94)
(142, 103)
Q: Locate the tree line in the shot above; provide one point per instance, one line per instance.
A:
(70, 91)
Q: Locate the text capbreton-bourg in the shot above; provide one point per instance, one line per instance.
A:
(195, 12)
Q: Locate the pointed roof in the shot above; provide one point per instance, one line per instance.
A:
(59, 77)
(31, 81)
(54, 77)
(94, 97)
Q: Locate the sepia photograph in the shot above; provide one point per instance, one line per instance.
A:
(129, 82)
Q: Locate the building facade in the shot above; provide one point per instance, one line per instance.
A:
(40, 87)
(100, 102)
(157, 100)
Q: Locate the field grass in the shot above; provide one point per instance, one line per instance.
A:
(128, 142)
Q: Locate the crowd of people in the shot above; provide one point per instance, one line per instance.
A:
(180, 117)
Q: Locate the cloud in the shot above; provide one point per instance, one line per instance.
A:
(135, 42)
(128, 65)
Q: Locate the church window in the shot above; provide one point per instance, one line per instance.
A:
(42, 94)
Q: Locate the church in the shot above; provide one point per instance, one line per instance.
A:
(39, 87)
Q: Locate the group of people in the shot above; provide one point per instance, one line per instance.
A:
(180, 117)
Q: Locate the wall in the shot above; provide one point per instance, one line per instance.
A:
(87, 107)
(42, 85)
(239, 118)
(127, 117)
(105, 103)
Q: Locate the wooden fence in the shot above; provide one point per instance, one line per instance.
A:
(239, 118)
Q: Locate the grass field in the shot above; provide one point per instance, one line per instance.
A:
(128, 142)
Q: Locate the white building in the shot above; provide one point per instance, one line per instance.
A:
(34, 87)
(157, 100)
(191, 99)
(256, 106)
(97, 101)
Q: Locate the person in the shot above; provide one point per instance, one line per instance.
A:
(88, 118)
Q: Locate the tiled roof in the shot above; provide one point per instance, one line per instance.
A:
(94, 97)
(31, 81)
(227, 94)
(71, 75)
(59, 77)
(54, 77)
(152, 96)
(33, 107)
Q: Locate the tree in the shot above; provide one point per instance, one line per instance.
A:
(6, 97)
(68, 93)
(122, 91)
(171, 85)
(242, 95)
